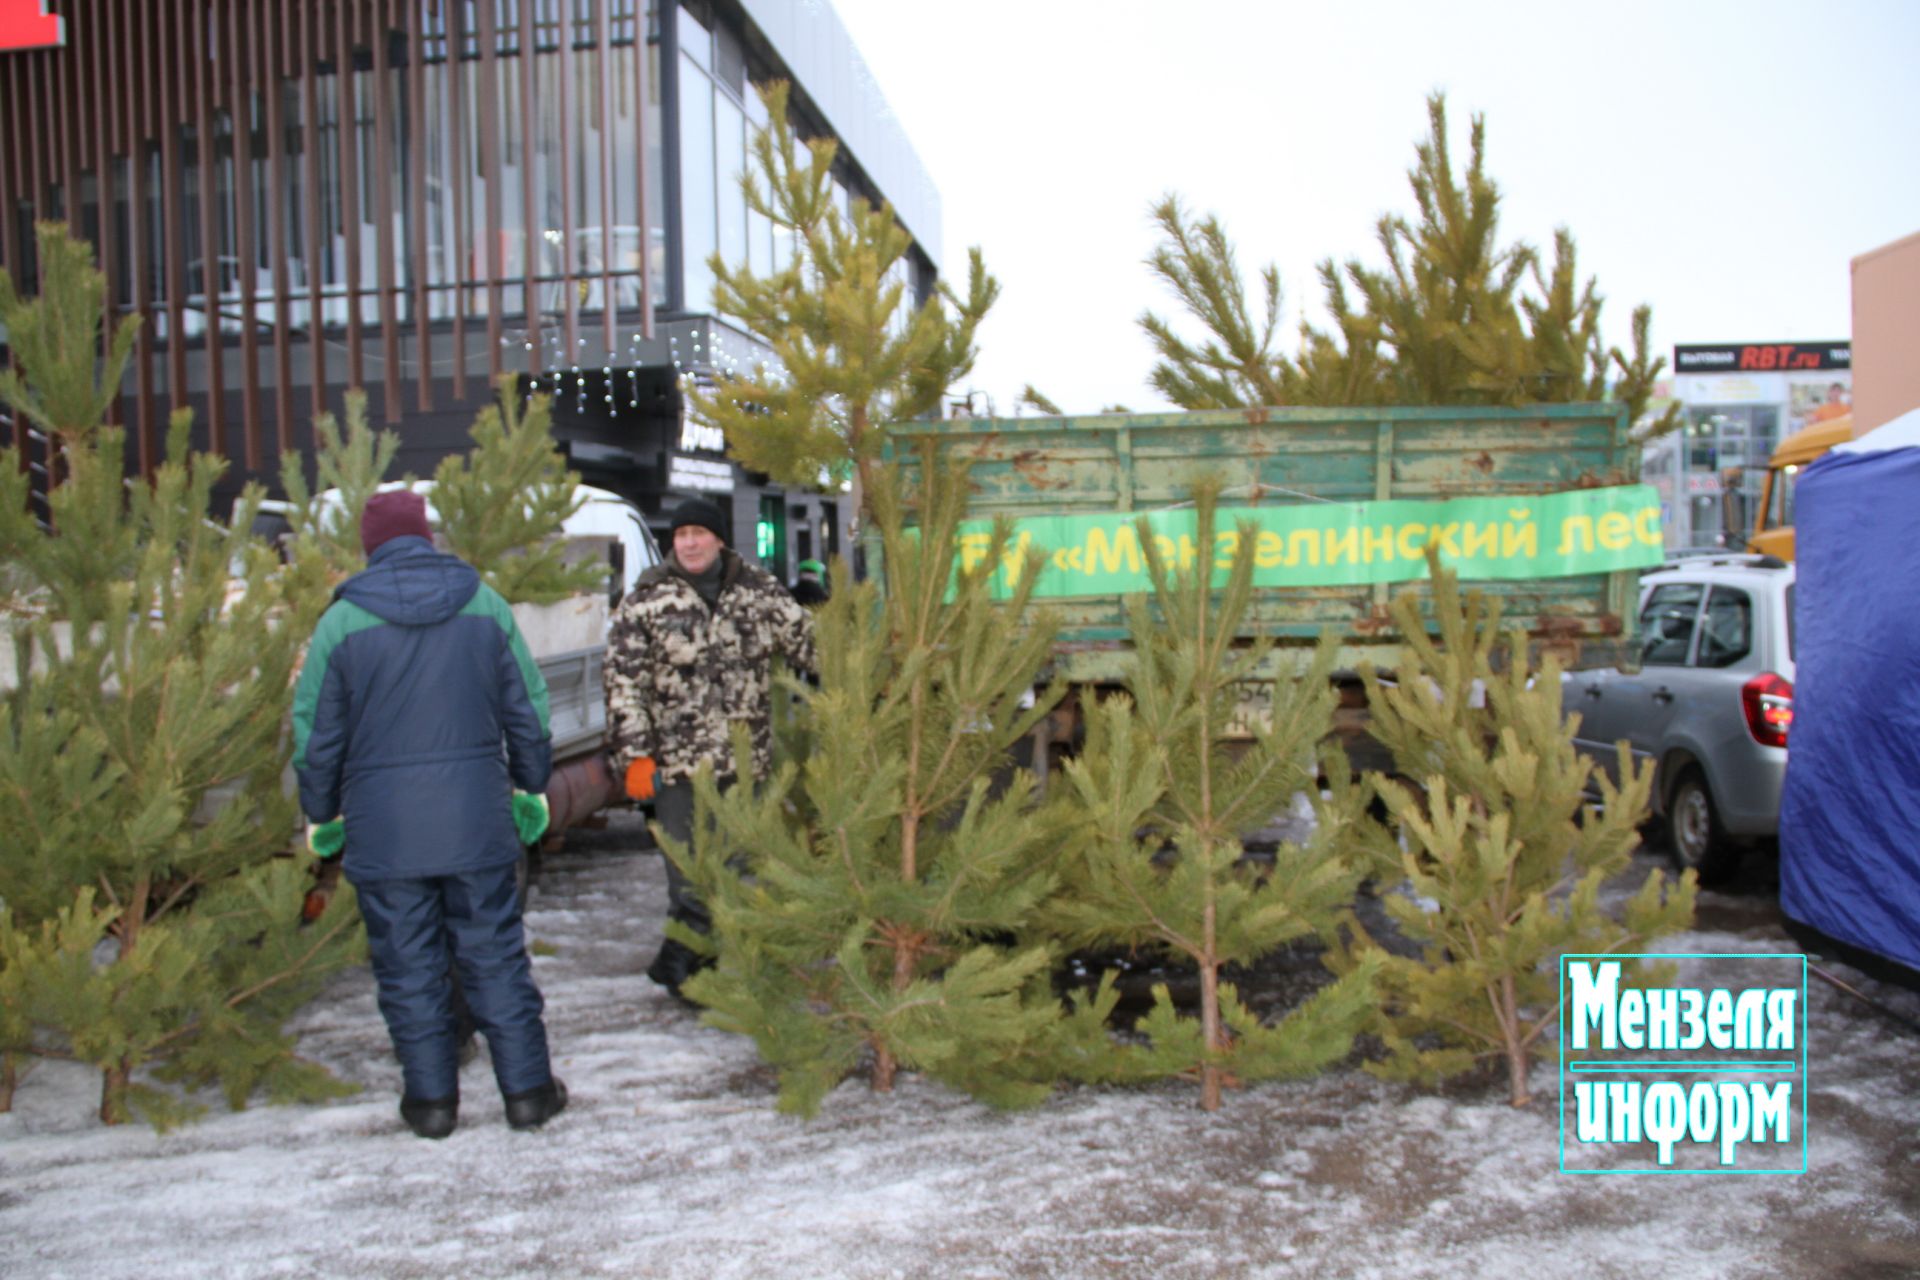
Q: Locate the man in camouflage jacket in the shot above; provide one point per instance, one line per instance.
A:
(690, 654)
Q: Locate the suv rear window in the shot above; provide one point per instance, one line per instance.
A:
(1666, 623)
(1726, 632)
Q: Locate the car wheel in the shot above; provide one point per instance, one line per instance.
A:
(1694, 834)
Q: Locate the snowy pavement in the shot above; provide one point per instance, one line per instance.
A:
(671, 1161)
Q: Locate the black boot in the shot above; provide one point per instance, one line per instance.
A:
(675, 964)
(535, 1107)
(433, 1118)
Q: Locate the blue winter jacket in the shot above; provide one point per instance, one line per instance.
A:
(417, 713)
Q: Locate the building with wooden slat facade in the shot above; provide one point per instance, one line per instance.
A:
(415, 197)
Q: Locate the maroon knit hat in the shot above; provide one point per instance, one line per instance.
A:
(397, 513)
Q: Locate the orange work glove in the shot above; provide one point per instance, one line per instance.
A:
(640, 779)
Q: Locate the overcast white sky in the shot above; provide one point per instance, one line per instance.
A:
(1721, 161)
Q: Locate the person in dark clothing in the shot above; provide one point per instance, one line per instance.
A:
(417, 714)
(810, 587)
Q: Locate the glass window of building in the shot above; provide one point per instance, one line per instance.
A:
(699, 233)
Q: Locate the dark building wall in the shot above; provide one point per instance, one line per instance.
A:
(297, 196)
(414, 197)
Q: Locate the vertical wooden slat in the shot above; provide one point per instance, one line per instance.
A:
(171, 48)
(139, 262)
(240, 80)
(105, 89)
(310, 26)
(59, 114)
(417, 198)
(9, 182)
(603, 65)
(569, 167)
(34, 86)
(13, 158)
(272, 72)
(9, 237)
(490, 162)
(383, 209)
(461, 174)
(643, 192)
(347, 117)
(530, 265)
(203, 74)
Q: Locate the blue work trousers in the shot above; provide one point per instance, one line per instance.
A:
(421, 931)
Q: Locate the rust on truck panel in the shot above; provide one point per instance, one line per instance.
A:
(1373, 622)
(1483, 464)
(1259, 417)
(1030, 464)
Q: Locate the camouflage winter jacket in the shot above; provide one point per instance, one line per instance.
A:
(678, 675)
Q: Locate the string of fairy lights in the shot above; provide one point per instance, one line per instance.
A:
(701, 363)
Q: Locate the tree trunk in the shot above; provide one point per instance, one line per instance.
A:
(883, 1069)
(9, 1076)
(1210, 1034)
(1517, 1065)
(1518, 1060)
(113, 1092)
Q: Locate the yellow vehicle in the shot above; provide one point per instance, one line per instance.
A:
(1773, 525)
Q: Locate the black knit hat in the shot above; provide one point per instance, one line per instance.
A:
(701, 513)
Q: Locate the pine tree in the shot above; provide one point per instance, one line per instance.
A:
(854, 352)
(148, 922)
(865, 897)
(499, 506)
(1495, 833)
(1167, 795)
(353, 465)
(1447, 321)
(502, 503)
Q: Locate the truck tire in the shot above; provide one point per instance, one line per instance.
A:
(1695, 837)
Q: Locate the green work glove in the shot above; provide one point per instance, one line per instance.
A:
(530, 816)
(327, 839)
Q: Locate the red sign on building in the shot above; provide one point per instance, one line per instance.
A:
(26, 24)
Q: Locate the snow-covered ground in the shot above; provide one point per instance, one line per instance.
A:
(672, 1162)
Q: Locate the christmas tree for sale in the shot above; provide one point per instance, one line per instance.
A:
(150, 925)
(1502, 855)
(499, 506)
(502, 503)
(853, 350)
(1166, 794)
(350, 466)
(1449, 319)
(867, 898)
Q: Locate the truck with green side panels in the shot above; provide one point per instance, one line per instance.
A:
(1540, 506)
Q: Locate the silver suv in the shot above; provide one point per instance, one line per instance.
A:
(1711, 704)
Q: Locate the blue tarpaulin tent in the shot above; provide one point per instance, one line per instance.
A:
(1850, 816)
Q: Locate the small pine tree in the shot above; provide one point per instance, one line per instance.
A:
(147, 919)
(1496, 834)
(1445, 322)
(1167, 795)
(864, 898)
(352, 465)
(854, 352)
(501, 503)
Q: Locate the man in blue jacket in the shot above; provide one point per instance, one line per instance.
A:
(418, 712)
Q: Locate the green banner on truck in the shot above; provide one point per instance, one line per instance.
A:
(1551, 535)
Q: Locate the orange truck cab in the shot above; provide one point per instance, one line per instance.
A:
(1773, 526)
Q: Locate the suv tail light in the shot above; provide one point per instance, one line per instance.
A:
(1768, 701)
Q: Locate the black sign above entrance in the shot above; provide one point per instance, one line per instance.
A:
(1763, 357)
